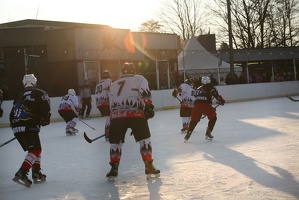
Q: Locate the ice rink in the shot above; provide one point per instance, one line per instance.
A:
(254, 155)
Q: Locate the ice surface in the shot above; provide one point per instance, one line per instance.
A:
(254, 155)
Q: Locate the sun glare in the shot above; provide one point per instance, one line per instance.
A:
(129, 14)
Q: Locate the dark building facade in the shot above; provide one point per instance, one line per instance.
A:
(62, 55)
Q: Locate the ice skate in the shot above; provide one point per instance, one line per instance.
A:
(71, 131)
(150, 170)
(112, 175)
(107, 137)
(21, 178)
(74, 130)
(68, 132)
(183, 130)
(37, 176)
(188, 135)
(209, 136)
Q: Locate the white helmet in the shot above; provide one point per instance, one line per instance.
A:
(205, 80)
(71, 91)
(29, 80)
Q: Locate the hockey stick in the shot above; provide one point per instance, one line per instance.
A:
(206, 115)
(179, 99)
(12, 139)
(291, 98)
(87, 124)
(92, 140)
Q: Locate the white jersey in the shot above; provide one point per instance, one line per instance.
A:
(102, 92)
(69, 102)
(187, 95)
(127, 95)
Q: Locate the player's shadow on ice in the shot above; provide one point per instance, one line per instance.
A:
(283, 180)
(154, 186)
(111, 191)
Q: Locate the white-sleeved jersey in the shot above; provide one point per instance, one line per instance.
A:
(127, 95)
(69, 102)
(102, 92)
(187, 95)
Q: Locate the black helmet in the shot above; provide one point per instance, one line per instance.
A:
(128, 68)
(188, 81)
(106, 74)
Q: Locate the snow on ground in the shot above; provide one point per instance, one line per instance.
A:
(254, 155)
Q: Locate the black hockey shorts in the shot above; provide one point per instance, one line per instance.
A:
(104, 110)
(185, 112)
(67, 115)
(119, 127)
(29, 140)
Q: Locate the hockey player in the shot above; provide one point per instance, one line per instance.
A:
(30, 111)
(203, 105)
(102, 99)
(186, 92)
(131, 106)
(68, 109)
(85, 98)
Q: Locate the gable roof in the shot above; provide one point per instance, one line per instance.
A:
(44, 23)
(195, 57)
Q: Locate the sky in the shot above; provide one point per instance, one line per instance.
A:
(129, 14)
(253, 156)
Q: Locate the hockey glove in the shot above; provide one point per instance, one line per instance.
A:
(175, 93)
(45, 121)
(149, 111)
(220, 100)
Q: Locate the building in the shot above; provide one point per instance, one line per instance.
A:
(63, 54)
(268, 61)
(254, 65)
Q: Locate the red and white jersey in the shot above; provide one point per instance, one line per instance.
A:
(127, 96)
(187, 95)
(69, 102)
(102, 92)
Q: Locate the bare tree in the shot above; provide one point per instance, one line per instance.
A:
(182, 17)
(286, 21)
(151, 26)
(259, 23)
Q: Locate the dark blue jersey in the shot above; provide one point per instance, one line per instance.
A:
(205, 94)
(32, 106)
